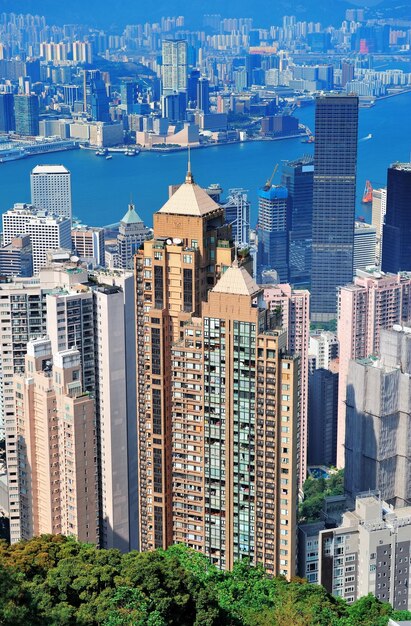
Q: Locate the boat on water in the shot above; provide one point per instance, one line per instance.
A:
(12, 154)
(101, 152)
(108, 157)
(310, 139)
(366, 138)
(131, 152)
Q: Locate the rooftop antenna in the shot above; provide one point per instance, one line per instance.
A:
(189, 176)
(235, 262)
(131, 200)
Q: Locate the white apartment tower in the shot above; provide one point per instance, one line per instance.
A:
(47, 231)
(51, 189)
(174, 71)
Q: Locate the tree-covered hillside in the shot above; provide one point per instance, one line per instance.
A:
(52, 580)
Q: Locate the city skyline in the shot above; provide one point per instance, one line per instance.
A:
(222, 370)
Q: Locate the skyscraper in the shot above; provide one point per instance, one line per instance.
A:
(174, 69)
(237, 213)
(51, 189)
(203, 95)
(7, 119)
(54, 489)
(335, 162)
(373, 302)
(379, 207)
(132, 233)
(365, 242)
(26, 111)
(211, 472)
(293, 309)
(396, 244)
(377, 448)
(99, 100)
(298, 177)
(273, 231)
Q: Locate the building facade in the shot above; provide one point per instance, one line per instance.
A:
(377, 441)
(298, 177)
(335, 164)
(368, 553)
(396, 244)
(47, 232)
(26, 114)
(132, 233)
(88, 245)
(293, 309)
(53, 487)
(373, 302)
(174, 68)
(51, 189)
(273, 232)
(211, 472)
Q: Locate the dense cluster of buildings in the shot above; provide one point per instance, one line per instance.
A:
(164, 385)
(227, 81)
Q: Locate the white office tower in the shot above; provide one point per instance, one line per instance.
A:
(174, 71)
(51, 189)
(379, 208)
(364, 246)
(47, 231)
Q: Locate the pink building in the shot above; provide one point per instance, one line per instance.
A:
(53, 489)
(295, 314)
(374, 301)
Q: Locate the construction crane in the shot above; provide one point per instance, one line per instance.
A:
(267, 185)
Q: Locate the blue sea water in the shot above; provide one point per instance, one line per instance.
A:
(102, 189)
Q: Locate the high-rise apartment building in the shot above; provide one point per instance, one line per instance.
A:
(7, 119)
(218, 430)
(293, 309)
(174, 68)
(396, 244)
(335, 163)
(52, 458)
(88, 245)
(377, 449)
(273, 231)
(368, 553)
(374, 301)
(96, 318)
(47, 232)
(51, 189)
(379, 207)
(26, 113)
(132, 233)
(323, 349)
(298, 177)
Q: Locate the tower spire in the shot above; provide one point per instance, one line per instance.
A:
(189, 176)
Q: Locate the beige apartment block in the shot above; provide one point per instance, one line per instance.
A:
(54, 477)
(218, 396)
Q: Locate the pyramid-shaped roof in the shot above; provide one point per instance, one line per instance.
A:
(131, 217)
(189, 199)
(237, 281)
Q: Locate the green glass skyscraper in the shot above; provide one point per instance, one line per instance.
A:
(335, 164)
(26, 110)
